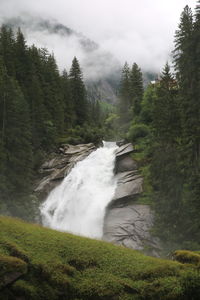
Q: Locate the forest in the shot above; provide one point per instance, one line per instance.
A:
(41, 108)
(164, 125)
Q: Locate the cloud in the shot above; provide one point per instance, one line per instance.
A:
(134, 31)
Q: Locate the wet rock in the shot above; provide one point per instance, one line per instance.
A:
(127, 223)
(120, 143)
(129, 184)
(125, 163)
(130, 226)
(59, 165)
(124, 150)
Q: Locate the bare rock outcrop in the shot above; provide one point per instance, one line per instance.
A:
(59, 165)
(126, 222)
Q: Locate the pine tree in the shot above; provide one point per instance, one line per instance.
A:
(196, 46)
(136, 89)
(15, 138)
(7, 49)
(52, 91)
(69, 109)
(166, 175)
(124, 95)
(22, 62)
(185, 72)
(3, 111)
(166, 119)
(78, 93)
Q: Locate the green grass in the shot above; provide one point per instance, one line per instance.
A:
(58, 265)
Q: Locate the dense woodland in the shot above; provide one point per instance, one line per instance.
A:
(165, 129)
(40, 108)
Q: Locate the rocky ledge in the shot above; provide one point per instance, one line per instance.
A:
(126, 222)
(59, 165)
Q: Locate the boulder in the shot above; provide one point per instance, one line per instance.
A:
(130, 226)
(59, 165)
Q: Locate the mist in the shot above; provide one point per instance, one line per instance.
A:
(113, 31)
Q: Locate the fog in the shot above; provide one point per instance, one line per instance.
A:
(123, 30)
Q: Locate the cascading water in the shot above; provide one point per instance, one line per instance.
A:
(78, 204)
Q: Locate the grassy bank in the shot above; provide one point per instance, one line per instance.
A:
(39, 263)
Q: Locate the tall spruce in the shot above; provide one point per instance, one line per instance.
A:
(124, 95)
(15, 137)
(166, 176)
(166, 118)
(7, 49)
(37, 107)
(136, 89)
(184, 59)
(69, 107)
(78, 93)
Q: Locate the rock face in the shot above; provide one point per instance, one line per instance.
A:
(59, 165)
(129, 181)
(123, 150)
(129, 185)
(127, 223)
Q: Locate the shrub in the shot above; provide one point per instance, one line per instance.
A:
(137, 131)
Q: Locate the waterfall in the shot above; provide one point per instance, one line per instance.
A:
(78, 204)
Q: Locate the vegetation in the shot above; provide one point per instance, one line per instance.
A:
(39, 108)
(166, 133)
(130, 94)
(55, 265)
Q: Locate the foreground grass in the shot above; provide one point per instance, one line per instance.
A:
(54, 265)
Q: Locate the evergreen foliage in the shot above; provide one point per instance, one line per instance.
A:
(38, 106)
(78, 93)
(170, 157)
(124, 95)
(130, 94)
(136, 89)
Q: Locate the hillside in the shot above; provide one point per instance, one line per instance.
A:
(39, 263)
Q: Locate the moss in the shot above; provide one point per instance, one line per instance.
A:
(13, 250)
(188, 257)
(64, 266)
(10, 268)
(9, 264)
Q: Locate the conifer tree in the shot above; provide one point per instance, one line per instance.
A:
(166, 119)
(124, 95)
(22, 62)
(166, 176)
(136, 89)
(3, 112)
(78, 93)
(69, 109)
(186, 63)
(15, 137)
(7, 49)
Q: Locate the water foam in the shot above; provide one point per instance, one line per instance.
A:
(78, 204)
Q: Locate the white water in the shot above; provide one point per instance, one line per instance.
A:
(78, 204)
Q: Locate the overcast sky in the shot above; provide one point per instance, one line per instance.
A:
(134, 31)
